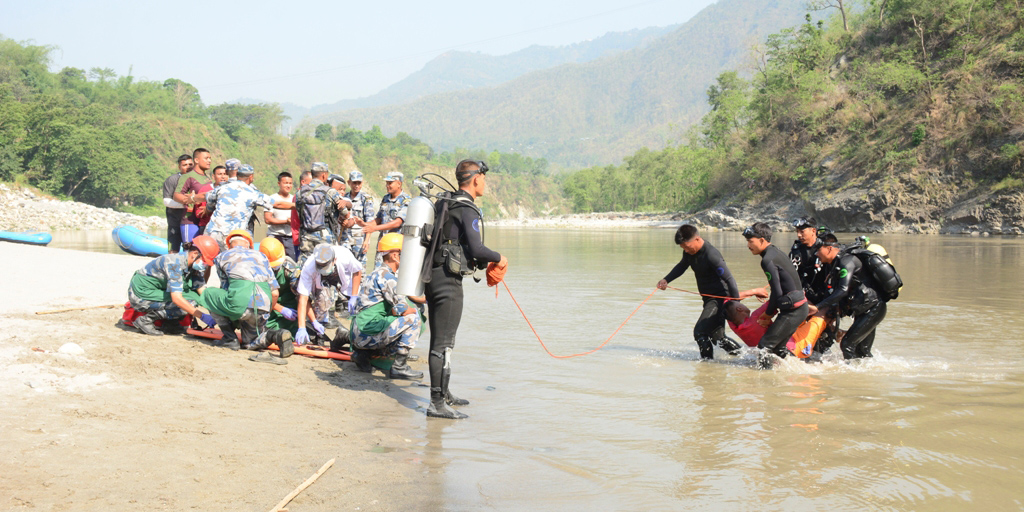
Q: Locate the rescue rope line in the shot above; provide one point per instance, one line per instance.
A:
(599, 347)
(708, 295)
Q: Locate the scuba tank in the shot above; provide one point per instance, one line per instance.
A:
(876, 260)
(416, 231)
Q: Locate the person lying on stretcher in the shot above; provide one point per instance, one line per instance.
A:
(750, 327)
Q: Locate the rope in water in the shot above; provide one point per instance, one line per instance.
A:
(617, 329)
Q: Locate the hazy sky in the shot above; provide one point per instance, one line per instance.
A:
(305, 51)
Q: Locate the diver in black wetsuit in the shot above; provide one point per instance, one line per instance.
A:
(813, 272)
(787, 295)
(853, 294)
(460, 252)
(713, 278)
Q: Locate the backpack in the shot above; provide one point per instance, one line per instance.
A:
(887, 280)
(312, 206)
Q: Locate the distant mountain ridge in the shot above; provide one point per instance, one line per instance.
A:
(581, 114)
(458, 70)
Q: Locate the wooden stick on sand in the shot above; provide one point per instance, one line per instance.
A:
(309, 481)
(52, 311)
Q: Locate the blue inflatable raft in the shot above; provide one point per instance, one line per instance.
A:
(26, 237)
(134, 241)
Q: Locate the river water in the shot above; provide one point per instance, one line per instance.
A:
(932, 422)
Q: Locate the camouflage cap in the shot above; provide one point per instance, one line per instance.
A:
(232, 164)
(335, 177)
(355, 176)
(319, 167)
(395, 176)
(245, 170)
(323, 255)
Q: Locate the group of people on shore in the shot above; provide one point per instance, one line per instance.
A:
(808, 291)
(294, 284)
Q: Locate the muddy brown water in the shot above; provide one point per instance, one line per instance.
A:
(932, 422)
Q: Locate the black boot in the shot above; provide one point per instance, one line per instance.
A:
(401, 370)
(280, 337)
(765, 359)
(449, 398)
(362, 360)
(439, 409)
(731, 346)
(145, 323)
(341, 340)
(707, 348)
(173, 326)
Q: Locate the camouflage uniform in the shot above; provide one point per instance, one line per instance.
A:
(151, 286)
(353, 237)
(403, 331)
(233, 204)
(235, 267)
(391, 209)
(310, 239)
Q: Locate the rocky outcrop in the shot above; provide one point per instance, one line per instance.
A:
(24, 210)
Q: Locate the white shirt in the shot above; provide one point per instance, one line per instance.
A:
(281, 214)
(347, 265)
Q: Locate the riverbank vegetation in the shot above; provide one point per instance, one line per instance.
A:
(914, 99)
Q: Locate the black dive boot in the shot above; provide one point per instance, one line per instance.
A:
(729, 345)
(439, 409)
(173, 327)
(449, 398)
(145, 324)
(707, 348)
(401, 370)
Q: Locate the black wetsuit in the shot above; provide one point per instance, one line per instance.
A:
(809, 269)
(787, 298)
(853, 294)
(713, 278)
(444, 291)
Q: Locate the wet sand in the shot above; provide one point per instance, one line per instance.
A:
(171, 423)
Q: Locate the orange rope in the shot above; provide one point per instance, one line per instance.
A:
(581, 353)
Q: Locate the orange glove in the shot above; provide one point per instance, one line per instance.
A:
(496, 273)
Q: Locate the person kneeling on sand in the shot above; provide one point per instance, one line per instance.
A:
(285, 313)
(327, 269)
(247, 294)
(162, 289)
(386, 321)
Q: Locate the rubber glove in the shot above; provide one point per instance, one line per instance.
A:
(207, 319)
(289, 314)
(318, 327)
(301, 337)
(352, 306)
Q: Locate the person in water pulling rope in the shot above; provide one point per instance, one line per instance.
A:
(714, 282)
(854, 293)
(787, 295)
(461, 250)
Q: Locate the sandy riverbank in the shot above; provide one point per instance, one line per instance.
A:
(170, 423)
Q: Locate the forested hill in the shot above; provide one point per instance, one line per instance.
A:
(903, 115)
(459, 70)
(111, 141)
(600, 111)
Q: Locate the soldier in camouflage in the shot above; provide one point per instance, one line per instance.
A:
(362, 213)
(391, 215)
(249, 291)
(315, 202)
(163, 289)
(234, 204)
(385, 321)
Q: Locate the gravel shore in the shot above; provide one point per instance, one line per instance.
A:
(25, 210)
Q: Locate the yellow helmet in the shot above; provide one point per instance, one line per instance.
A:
(390, 242)
(273, 249)
(238, 232)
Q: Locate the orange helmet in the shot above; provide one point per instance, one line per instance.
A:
(207, 247)
(390, 242)
(238, 232)
(273, 249)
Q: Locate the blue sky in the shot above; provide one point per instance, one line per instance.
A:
(305, 51)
